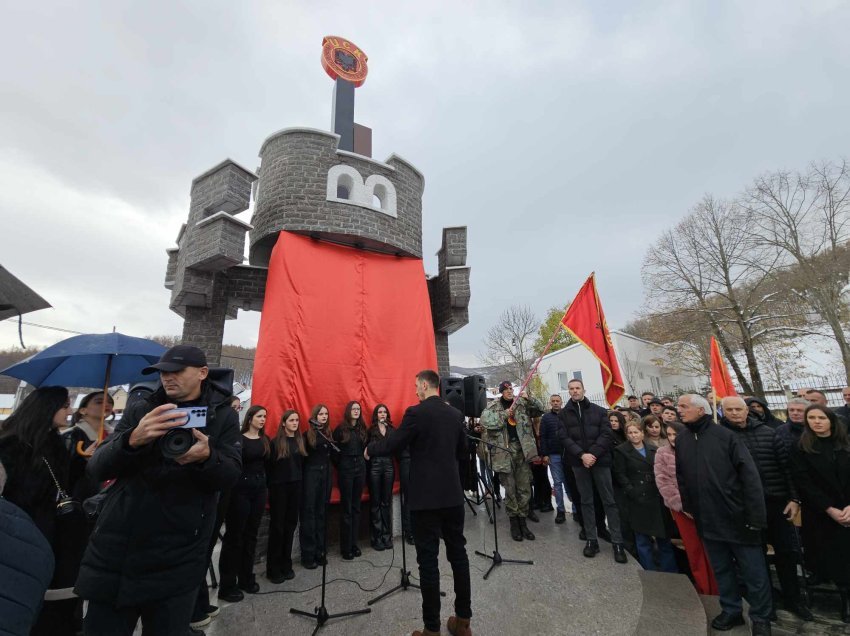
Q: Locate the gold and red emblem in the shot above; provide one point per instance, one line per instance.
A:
(343, 59)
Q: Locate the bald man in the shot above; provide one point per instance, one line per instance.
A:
(781, 500)
(721, 488)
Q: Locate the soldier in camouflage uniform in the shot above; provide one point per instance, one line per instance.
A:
(512, 467)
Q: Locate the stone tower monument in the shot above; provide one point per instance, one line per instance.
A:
(321, 184)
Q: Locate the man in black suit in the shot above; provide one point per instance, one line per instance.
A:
(434, 433)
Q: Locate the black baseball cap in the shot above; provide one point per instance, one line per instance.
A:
(178, 358)
(655, 401)
(503, 386)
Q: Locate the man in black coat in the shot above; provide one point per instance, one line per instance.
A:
(781, 499)
(721, 489)
(587, 440)
(759, 410)
(791, 431)
(148, 550)
(434, 433)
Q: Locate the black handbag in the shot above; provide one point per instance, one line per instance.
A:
(65, 504)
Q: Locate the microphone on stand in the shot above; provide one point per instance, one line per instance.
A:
(316, 425)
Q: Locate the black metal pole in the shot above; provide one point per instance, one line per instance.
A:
(496, 557)
(320, 613)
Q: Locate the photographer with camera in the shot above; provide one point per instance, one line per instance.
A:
(147, 552)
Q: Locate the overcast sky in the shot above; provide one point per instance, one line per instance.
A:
(565, 135)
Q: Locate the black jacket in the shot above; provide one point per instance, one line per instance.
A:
(719, 483)
(150, 541)
(436, 436)
(26, 567)
(768, 418)
(550, 440)
(585, 429)
(636, 476)
(823, 478)
(770, 454)
(790, 434)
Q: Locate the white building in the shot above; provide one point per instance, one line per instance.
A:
(645, 366)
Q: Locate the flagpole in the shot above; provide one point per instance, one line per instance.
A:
(537, 362)
(714, 399)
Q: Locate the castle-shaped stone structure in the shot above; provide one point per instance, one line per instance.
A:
(307, 185)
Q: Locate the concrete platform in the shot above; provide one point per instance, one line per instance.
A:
(563, 593)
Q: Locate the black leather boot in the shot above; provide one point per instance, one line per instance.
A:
(591, 549)
(516, 532)
(532, 516)
(528, 534)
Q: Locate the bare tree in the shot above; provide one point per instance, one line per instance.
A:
(804, 218)
(711, 267)
(510, 342)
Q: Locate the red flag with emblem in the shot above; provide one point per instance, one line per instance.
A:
(721, 380)
(586, 321)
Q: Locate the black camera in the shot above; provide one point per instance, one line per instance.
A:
(180, 439)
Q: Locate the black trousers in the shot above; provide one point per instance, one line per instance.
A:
(572, 486)
(351, 478)
(541, 497)
(202, 599)
(381, 477)
(786, 556)
(317, 491)
(242, 523)
(284, 505)
(404, 482)
(428, 527)
(169, 616)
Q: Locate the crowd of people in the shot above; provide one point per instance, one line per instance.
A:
(728, 486)
(131, 530)
(118, 523)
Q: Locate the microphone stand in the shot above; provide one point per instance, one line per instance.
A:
(320, 613)
(496, 557)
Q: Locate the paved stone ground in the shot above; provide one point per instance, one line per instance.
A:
(563, 593)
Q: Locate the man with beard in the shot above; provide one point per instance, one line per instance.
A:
(721, 489)
(509, 425)
(781, 499)
(760, 411)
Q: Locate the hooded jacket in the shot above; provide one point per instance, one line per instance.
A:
(151, 537)
(719, 483)
(585, 429)
(768, 418)
(770, 454)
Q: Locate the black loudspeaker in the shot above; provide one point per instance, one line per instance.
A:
(452, 391)
(475, 395)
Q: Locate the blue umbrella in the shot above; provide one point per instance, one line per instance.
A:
(91, 360)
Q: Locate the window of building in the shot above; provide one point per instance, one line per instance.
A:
(563, 380)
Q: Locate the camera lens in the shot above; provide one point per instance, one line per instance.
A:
(176, 442)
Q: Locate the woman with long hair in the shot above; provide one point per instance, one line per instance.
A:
(653, 431)
(820, 466)
(36, 464)
(245, 511)
(668, 486)
(350, 436)
(381, 478)
(317, 488)
(284, 474)
(634, 464)
(618, 426)
(82, 438)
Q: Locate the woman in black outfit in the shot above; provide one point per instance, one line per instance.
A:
(381, 478)
(820, 466)
(245, 511)
(283, 473)
(350, 436)
(317, 489)
(34, 458)
(82, 438)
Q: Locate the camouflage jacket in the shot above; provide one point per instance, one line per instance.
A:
(494, 419)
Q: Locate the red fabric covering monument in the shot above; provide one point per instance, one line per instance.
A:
(340, 324)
